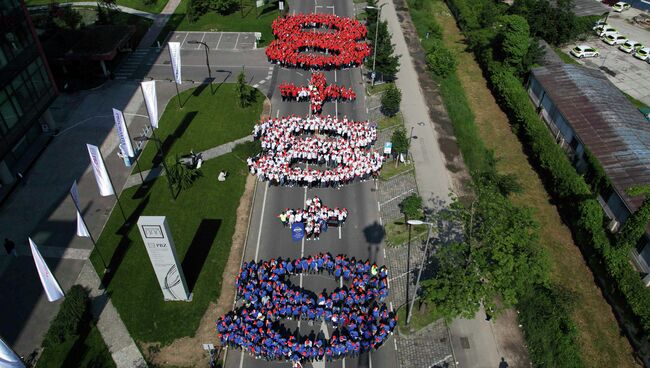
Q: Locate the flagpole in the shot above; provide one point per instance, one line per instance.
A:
(119, 204)
(92, 239)
(137, 161)
(178, 95)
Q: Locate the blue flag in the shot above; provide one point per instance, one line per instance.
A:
(297, 231)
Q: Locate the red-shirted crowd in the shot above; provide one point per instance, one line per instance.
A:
(317, 92)
(342, 48)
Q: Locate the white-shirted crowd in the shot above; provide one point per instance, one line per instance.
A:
(339, 148)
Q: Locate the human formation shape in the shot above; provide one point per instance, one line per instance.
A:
(317, 92)
(315, 216)
(360, 318)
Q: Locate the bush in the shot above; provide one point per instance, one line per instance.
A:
(441, 60)
(193, 11)
(73, 315)
(411, 207)
(390, 100)
(224, 6)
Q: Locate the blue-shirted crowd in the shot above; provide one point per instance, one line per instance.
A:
(360, 319)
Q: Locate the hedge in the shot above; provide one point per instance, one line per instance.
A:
(73, 315)
(581, 210)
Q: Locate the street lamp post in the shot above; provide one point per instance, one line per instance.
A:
(207, 57)
(374, 57)
(409, 309)
(144, 138)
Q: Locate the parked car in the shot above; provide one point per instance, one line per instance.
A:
(642, 53)
(614, 39)
(629, 46)
(604, 29)
(620, 7)
(583, 51)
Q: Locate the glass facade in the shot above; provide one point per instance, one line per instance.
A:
(26, 89)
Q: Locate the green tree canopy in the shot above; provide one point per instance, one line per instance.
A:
(635, 225)
(400, 141)
(386, 62)
(390, 100)
(441, 60)
(411, 207)
(514, 39)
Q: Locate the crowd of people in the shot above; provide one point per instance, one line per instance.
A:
(315, 216)
(356, 310)
(341, 145)
(317, 92)
(342, 48)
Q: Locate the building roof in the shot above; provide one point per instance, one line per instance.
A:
(583, 8)
(615, 132)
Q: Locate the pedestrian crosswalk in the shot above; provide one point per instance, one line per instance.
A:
(132, 62)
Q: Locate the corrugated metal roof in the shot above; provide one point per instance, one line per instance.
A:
(605, 121)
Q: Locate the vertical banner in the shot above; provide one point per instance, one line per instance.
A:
(297, 231)
(123, 134)
(50, 285)
(159, 244)
(74, 193)
(175, 55)
(101, 175)
(81, 227)
(8, 358)
(151, 101)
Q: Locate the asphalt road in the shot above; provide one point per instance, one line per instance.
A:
(361, 235)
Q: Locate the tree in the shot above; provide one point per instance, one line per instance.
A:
(181, 176)
(244, 92)
(386, 62)
(441, 60)
(513, 39)
(498, 256)
(224, 7)
(390, 100)
(635, 225)
(400, 142)
(193, 11)
(411, 207)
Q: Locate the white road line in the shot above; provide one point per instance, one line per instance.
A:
(370, 359)
(241, 360)
(277, 114)
(218, 42)
(339, 231)
(384, 249)
(343, 362)
(394, 342)
(381, 222)
(379, 206)
(336, 107)
(255, 85)
(237, 41)
(262, 81)
(186, 34)
(199, 45)
(334, 76)
(259, 232)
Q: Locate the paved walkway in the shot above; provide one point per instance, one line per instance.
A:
(123, 9)
(211, 153)
(159, 23)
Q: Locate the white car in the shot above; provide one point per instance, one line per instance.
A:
(629, 46)
(642, 53)
(583, 51)
(604, 29)
(614, 39)
(620, 7)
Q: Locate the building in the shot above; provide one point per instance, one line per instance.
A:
(584, 110)
(26, 91)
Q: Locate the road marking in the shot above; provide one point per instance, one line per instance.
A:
(343, 362)
(199, 45)
(334, 76)
(259, 232)
(217, 48)
(186, 34)
(336, 108)
(277, 114)
(339, 231)
(241, 360)
(237, 41)
(384, 249)
(370, 359)
(379, 205)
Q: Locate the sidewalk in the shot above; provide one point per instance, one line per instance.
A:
(159, 23)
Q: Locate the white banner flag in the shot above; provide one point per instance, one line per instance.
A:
(123, 134)
(74, 193)
(8, 358)
(175, 55)
(81, 227)
(50, 285)
(151, 101)
(101, 175)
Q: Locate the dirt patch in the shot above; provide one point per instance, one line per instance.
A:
(187, 351)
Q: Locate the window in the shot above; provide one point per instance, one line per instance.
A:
(9, 109)
(39, 78)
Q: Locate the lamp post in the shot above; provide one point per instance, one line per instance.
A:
(374, 57)
(207, 57)
(144, 138)
(417, 282)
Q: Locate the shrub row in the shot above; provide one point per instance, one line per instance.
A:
(577, 202)
(73, 316)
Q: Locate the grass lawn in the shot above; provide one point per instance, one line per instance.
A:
(568, 59)
(205, 121)
(87, 351)
(215, 22)
(154, 8)
(388, 170)
(377, 88)
(202, 221)
(601, 342)
(398, 235)
(421, 316)
(391, 121)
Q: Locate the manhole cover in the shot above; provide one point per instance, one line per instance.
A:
(464, 342)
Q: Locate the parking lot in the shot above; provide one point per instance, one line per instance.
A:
(215, 40)
(628, 73)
